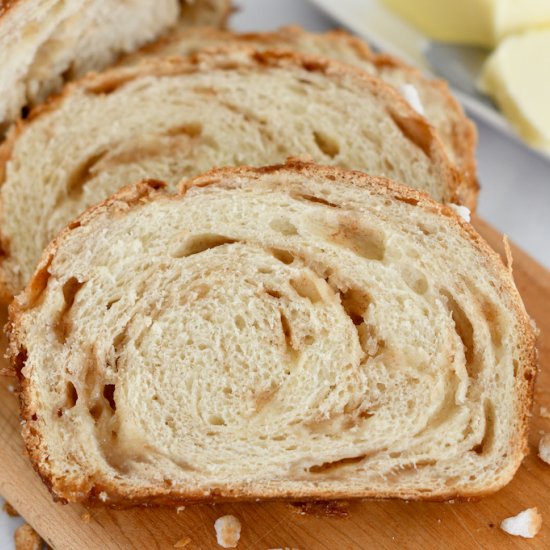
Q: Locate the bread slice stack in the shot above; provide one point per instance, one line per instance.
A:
(297, 330)
(283, 332)
(169, 119)
(44, 44)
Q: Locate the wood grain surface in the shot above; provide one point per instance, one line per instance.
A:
(370, 524)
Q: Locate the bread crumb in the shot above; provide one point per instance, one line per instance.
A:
(26, 538)
(182, 543)
(103, 496)
(10, 510)
(180, 509)
(410, 93)
(228, 531)
(462, 211)
(11, 388)
(544, 448)
(544, 412)
(526, 524)
(86, 517)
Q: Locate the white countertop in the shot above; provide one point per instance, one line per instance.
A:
(515, 195)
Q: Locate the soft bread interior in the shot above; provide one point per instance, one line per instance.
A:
(288, 332)
(174, 119)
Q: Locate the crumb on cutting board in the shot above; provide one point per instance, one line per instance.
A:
(228, 531)
(10, 510)
(526, 524)
(544, 448)
(182, 543)
(26, 538)
(544, 412)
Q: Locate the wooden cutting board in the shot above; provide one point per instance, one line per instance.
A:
(372, 524)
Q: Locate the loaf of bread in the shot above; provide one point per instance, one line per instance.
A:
(439, 106)
(175, 118)
(46, 43)
(287, 332)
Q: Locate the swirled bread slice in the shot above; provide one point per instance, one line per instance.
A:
(288, 332)
(440, 108)
(46, 43)
(170, 119)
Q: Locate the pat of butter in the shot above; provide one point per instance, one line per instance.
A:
(517, 77)
(479, 22)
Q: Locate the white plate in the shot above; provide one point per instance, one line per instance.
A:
(389, 33)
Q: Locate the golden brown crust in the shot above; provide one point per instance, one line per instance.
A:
(232, 58)
(103, 492)
(6, 286)
(26, 538)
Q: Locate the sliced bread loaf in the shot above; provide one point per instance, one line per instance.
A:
(176, 118)
(287, 332)
(439, 106)
(46, 43)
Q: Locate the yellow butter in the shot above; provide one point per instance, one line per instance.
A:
(479, 22)
(517, 77)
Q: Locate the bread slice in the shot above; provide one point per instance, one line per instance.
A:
(46, 43)
(176, 118)
(440, 108)
(286, 332)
